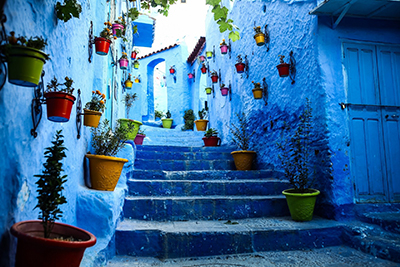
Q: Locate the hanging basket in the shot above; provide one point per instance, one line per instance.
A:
(257, 93)
(133, 55)
(102, 46)
(224, 49)
(214, 79)
(260, 39)
(59, 106)
(208, 90)
(283, 69)
(209, 54)
(224, 91)
(25, 65)
(117, 27)
(123, 63)
(203, 70)
(91, 118)
(240, 67)
(212, 141)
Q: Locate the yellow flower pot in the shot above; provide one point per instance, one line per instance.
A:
(91, 118)
(260, 39)
(201, 125)
(167, 123)
(137, 81)
(128, 84)
(105, 171)
(257, 93)
(243, 159)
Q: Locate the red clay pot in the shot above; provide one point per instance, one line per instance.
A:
(283, 69)
(102, 46)
(36, 251)
(133, 55)
(240, 67)
(212, 141)
(171, 70)
(139, 139)
(59, 106)
(203, 70)
(214, 79)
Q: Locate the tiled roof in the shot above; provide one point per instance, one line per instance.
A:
(158, 51)
(197, 50)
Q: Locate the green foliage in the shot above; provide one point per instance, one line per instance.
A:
(158, 114)
(211, 132)
(70, 9)
(36, 42)
(163, 5)
(221, 18)
(168, 114)
(50, 185)
(133, 13)
(189, 120)
(296, 153)
(53, 86)
(98, 102)
(241, 136)
(203, 113)
(128, 101)
(107, 142)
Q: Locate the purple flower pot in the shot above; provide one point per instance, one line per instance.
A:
(123, 64)
(224, 91)
(116, 27)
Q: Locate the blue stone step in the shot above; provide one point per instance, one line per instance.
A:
(260, 187)
(204, 175)
(389, 220)
(179, 155)
(181, 208)
(207, 238)
(221, 149)
(183, 165)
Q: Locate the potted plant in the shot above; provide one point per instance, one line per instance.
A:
(123, 61)
(136, 79)
(172, 70)
(105, 168)
(46, 242)
(25, 59)
(283, 68)
(94, 109)
(190, 75)
(136, 64)
(224, 47)
(214, 76)
(259, 36)
(244, 157)
(103, 42)
(295, 157)
(158, 114)
(208, 90)
(167, 122)
(209, 54)
(239, 64)
(202, 59)
(211, 138)
(224, 90)
(139, 137)
(128, 83)
(257, 90)
(188, 117)
(201, 124)
(118, 27)
(203, 68)
(67, 10)
(134, 53)
(128, 100)
(59, 101)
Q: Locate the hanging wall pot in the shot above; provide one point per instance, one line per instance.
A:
(190, 75)
(123, 63)
(283, 68)
(128, 83)
(257, 90)
(214, 76)
(223, 47)
(208, 90)
(59, 105)
(102, 46)
(203, 69)
(259, 36)
(224, 90)
(136, 64)
(115, 27)
(134, 54)
(91, 118)
(209, 54)
(172, 70)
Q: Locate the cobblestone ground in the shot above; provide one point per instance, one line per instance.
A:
(340, 256)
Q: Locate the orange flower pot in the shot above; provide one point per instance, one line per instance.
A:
(257, 93)
(59, 106)
(201, 125)
(243, 159)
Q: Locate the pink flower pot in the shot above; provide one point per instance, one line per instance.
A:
(139, 139)
(190, 75)
(224, 49)
(116, 27)
(224, 91)
(123, 63)
(202, 58)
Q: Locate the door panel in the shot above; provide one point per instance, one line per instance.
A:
(389, 75)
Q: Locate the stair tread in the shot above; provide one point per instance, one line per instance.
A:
(266, 180)
(212, 197)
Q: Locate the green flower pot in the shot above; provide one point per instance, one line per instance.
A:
(132, 134)
(209, 54)
(167, 123)
(25, 65)
(301, 205)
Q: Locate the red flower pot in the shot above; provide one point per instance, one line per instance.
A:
(139, 139)
(172, 70)
(59, 106)
(212, 141)
(203, 70)
(35, 250)
(102, 46)
(133, 55)
(283, 69)
(224, 49)
(123, 63)
(240, 67)
(214, 79)
(224, 91)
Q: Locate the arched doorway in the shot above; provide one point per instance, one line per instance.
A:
(156, 93)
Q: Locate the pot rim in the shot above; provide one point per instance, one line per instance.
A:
(92, 111)
(62, 93)
(201, 120)
(243, 152)
(103, 157)
(287, 193)
(167, 119)
(102, 39)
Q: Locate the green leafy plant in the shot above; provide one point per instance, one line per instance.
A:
(257, 29)
(36, 42)
(50, 185)
(53, 86)
(256, 85)
(107, 32)
(107, 142)
(241, 135)
(128, 100)
(158, 114)
(69, 9)
(211, 132)
(214, 73)
(221, 18)
(296, 153)
(98, 101)
(203, 113)
(168, 114)
(239, 59)
(163, 5)
(189, 120)
(281, 57)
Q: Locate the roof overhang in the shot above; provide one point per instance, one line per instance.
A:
(370, 9)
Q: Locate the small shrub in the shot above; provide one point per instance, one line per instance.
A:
(189, 120)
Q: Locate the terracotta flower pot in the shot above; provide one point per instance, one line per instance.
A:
(117, 27)
(203, 70)
(123, 63)
(214, 79)
(36, 251)
(212, 141)
(201, 125)
(224, 49)
(283, 69)
(91, 118)
(102, 46)
(240, 67)
(59, 106)
(257, 93)
(208, 90)
(243, 159)
(25, 66)
(139, 139)
(260, 39)
(224, 91)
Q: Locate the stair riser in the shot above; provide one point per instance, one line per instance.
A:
(218, 149)
(203, 209)
(153, 155)
(181, 165)
(197, 244)
(205, 188)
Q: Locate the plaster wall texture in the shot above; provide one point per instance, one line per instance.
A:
(21, 154)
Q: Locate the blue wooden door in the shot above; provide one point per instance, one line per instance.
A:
(372, 76)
